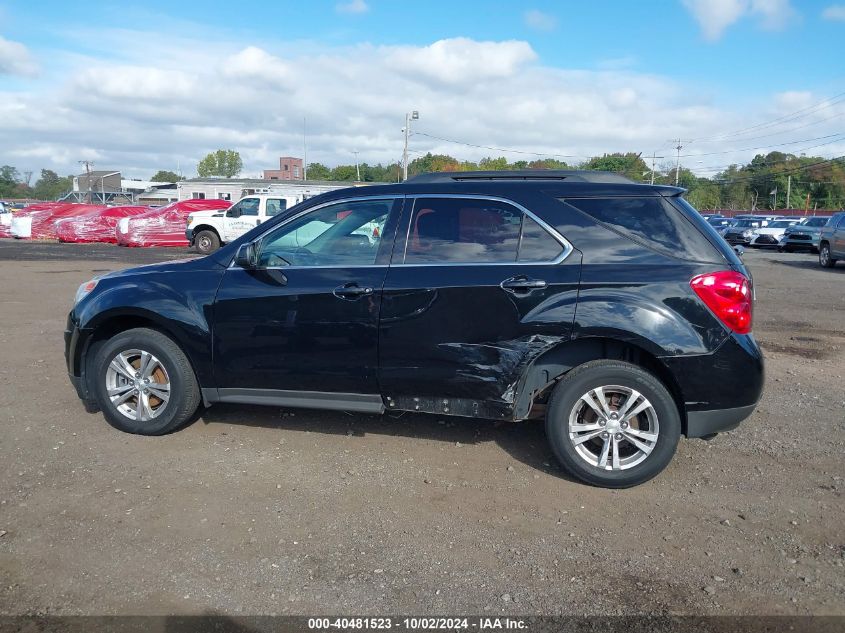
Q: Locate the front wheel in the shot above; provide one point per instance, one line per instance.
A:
(612, 424)
(144, 383)
(207, 242)
(825, 260)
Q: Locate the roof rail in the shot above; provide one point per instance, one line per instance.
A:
(523, 174)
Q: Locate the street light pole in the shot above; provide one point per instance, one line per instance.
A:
(357, 169)
(409, 116)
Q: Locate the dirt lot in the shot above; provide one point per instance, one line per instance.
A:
(259, 511)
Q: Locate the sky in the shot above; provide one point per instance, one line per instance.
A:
(158, 85)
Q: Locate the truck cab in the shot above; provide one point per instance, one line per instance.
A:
(208, 230)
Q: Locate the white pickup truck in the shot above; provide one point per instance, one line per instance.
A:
(207, 230)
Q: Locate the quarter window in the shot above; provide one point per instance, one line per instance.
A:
(343, 234)
(475, 231)
(653, 222)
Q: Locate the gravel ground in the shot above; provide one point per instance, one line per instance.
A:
(262, 511)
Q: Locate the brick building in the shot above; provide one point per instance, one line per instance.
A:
(290, 168)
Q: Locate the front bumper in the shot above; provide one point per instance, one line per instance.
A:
(810, 243)
(73, 358)
(764, 240)
(734, 239)
(189, 235)
(706, 423)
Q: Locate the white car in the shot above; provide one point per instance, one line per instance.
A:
(770, 234)
(208, 230)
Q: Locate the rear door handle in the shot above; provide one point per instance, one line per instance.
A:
(352, 291)
(522, 283)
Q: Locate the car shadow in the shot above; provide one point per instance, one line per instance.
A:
(523, 441)
(811, 264)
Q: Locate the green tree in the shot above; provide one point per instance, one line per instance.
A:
(628, 164)
(226, 163)
(9, 180)
(163, 175)
(318, 171)
(51, 186)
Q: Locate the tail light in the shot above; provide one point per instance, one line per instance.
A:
(728, 294)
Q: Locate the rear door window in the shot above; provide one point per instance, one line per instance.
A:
(652, 222)
(475, 231)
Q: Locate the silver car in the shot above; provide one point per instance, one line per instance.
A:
(803, 236)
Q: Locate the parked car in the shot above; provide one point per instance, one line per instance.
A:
(804, 235)
(208, 230)
(608, 307)
(832, 241)
(162, 226)
(769, 236)
(741, 231)
(720, 222)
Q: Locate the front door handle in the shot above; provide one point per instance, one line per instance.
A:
(352, 291)
(522, 283)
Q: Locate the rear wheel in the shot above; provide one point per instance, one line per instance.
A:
(207, 242)
(144, 383)
(825, 259)
(612, 424)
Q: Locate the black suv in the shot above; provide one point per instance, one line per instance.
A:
(611, 308)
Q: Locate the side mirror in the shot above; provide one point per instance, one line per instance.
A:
(739, 250)
(234, 213)
(247, 256)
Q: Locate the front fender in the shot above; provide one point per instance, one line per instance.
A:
(179, 304)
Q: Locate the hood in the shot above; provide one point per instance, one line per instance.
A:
(181, 265)
(211, 213)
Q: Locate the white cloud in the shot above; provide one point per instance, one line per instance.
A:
(835, 12)
(15, 59)
(539, 21)
(174, 102)
(715, 16)
(353, 6)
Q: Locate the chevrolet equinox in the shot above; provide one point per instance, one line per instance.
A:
(610, 308)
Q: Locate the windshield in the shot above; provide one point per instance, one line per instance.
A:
(747, 223)
(780, 224)
(816, 222)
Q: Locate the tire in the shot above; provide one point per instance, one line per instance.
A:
(167, 364)
(788, 249)
(825, 260)
(634, 465)
(207, 242)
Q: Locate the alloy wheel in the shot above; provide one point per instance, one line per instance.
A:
(613, 427)
(138, 385)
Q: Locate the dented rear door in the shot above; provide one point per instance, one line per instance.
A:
(477, 288)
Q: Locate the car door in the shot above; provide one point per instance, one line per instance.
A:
(477, 286)
(837, 237)
(273, 207)
(240, 218)
(305, 318)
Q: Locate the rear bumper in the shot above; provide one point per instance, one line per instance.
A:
(720, 389)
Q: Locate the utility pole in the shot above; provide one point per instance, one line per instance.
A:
(304, 151)
(87, 164)
(679, 147)
(409, 116)
(653, 160)
(788, 191)
(357, 169)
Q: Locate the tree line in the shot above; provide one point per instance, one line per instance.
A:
(763, 183)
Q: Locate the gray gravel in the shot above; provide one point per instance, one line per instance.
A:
(260, 510)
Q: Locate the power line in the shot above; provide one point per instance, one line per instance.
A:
(501, 149)
(787, 117)
(749, 149)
